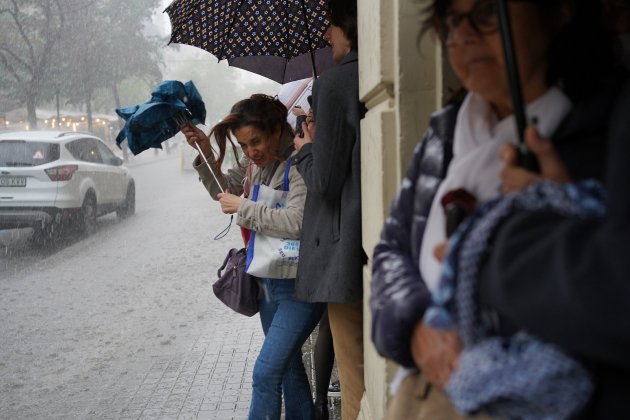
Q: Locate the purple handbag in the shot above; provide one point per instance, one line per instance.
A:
(237, 289)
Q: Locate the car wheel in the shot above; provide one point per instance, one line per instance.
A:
(47, 235)
(87, 222)
(129, 206)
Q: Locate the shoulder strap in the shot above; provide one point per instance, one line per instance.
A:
(285, 185)
(247, 180)
(273, 171)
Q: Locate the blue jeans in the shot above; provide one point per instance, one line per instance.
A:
(287, 323)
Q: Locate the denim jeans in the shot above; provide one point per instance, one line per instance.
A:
(287, 323)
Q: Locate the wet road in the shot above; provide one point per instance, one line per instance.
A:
(123, 324)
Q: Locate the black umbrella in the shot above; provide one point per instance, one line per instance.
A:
(280, 40)
(526, 159)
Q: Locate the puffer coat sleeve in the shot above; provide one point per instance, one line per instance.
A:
(399, 295)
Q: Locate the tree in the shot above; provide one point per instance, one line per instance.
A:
(138, 55)
(72, 49)
(31, 30)
(108, 49)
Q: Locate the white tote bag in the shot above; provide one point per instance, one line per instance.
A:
(268, 257)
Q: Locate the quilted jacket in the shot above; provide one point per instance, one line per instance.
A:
(399, 295)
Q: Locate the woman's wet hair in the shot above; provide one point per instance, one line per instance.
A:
(263, 112)
(343, 13)
(581, 52)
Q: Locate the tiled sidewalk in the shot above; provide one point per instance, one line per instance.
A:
(211, 381)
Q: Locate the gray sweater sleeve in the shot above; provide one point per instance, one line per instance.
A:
(232, 181)
(277, 223)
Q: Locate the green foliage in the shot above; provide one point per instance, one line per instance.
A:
(111, 47)
(81, 50)
(100, 54)
(30, 34)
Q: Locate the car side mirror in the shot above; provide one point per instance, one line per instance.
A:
(116, 161)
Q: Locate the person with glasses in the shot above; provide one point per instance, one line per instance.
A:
(329, 159)
(569, 82)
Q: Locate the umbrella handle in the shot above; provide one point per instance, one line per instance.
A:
(182, 119)
(525, 158)
(209, 167)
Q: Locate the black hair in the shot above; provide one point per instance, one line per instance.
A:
(581, 52)
(343, 13)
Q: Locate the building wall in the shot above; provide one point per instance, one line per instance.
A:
(400, 82)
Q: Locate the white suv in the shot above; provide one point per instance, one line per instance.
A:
(51, 179)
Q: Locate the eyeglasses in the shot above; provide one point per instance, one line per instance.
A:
(482, 18)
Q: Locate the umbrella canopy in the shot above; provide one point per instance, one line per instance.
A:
(285, 71)
(149, 124)
(276, 39)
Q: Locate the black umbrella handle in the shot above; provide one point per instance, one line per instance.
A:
(526, 159)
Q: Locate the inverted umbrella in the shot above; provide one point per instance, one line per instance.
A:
(160, 118)
(280, 40)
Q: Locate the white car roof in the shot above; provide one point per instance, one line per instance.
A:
(45, 135)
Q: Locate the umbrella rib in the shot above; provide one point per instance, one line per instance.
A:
(169, 6)
(238, 9)
(286, 37)
(170, 20)
(288, 44)
(308, 38)
(209, 167)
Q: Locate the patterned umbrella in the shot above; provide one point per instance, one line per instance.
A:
(281, 40)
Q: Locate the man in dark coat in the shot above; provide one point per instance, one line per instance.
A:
(331, 253)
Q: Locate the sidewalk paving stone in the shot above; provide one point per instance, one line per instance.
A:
(210, 381)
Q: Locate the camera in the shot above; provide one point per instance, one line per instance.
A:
(298, 125)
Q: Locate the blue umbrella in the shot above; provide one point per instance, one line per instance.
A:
(172, 103)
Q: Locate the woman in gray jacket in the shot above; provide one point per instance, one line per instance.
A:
(259, 126)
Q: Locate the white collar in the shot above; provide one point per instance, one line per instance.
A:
(478, 138)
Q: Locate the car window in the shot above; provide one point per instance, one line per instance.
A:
(107, 155)
(23, 153)
(85, 150)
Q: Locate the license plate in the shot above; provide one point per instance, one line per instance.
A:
(12, 181)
